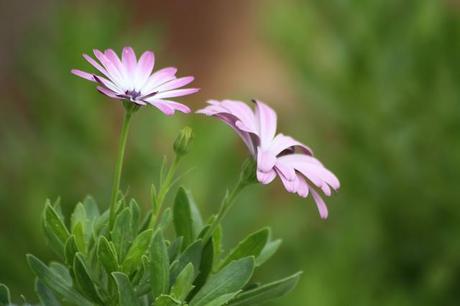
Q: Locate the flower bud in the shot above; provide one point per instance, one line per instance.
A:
(183, 141)
(249, 171)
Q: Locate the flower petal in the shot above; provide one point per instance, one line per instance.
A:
(108, 93)
(156, 79)
(323, 212)
(266, 177)
(176, 83)
(165, 107)
(176, 93)
(83, 74)
(266, 120)
(282, 142)
(113, 73)
(128, 59)
(144, 69)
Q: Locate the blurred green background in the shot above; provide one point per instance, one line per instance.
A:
(372, 86)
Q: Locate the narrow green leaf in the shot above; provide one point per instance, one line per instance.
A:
(55, 229)
(166, 300)
(135, 215)
(70, 250)
(192, 254)
(107, 255)
(84, 280)
(217, 246)
(165, 218)
(186, 217)
(5, 296)
(139, 247)
(205, 267)
(62, 271)
(230, 279)
(126, 295)
(122, 232)
(45, 295)
(78, 216)
(159, 264)
(223, 299)
(268, 251)
(175, 248)
(55, 282)
(184, 283)
(79, 233)
(250, 246)
(92, 210)
(266, 292)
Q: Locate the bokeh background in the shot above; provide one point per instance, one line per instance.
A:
(372, 86)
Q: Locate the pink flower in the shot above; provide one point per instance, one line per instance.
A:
(276, 154)
(131, 79)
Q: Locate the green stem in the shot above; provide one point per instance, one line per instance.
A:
(227, 204)
(119, 164)
(165, 185)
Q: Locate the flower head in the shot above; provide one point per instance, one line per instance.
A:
(276, 154)
(132, 80)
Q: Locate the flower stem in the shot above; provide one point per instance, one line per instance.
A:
(119, 164)
(227, 204)
(165, 185)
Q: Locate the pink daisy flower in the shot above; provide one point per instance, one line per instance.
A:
(276, 154)
(132, 80)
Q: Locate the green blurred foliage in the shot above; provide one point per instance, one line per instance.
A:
(379, 84)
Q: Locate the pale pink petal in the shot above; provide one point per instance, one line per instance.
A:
(265, 160)
(113, 73)
(128, 59)
(83, 74)
(266, 177)
(108, 93)
(244, 113)
(144, 68)
(290, 185)
(266, 120)
(302, 187)
(323, 212)
(163, 106)
(282, 142)
(177, 83)
(161, 76)
(175, 105)
(96, 65)
(176, 93)
(287, 170)
(113, 57)
(108, 84)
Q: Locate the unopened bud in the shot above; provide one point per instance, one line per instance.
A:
(183, 141)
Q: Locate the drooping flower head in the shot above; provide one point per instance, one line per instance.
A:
(132, 80)
(276, 154)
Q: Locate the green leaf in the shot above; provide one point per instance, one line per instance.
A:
(55, 282)
(205, 267)
(92, 210)
(165, 218)
(121, 233)
(70, 250)
(186, 217)
(266, 292)
(126, 295)
(166, 300)
(223, 299)
(139, 247)
(62, 271)
(78, 216)
(84, 280)
(5, 296)
(184, 282)
(107, 255)
(79, 233)
(230, 279)
(175, 248)
(250, 246)
(268, 251)
(55, 229)
(45, 295)
(192, 254)
(135, 215)
(217, 246)
(159, 264)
